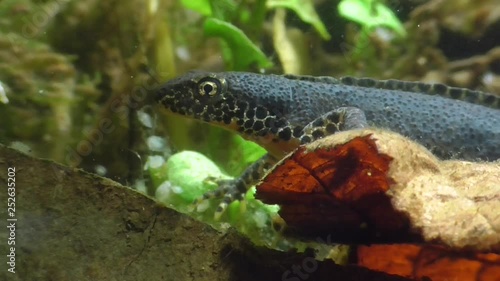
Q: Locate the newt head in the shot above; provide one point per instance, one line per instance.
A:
(253, 105)
(196, 95)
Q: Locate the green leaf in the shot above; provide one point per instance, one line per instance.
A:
(305, 10)
(201, 6)
(244, 53)
(370, 14)
(242, 154)
(224, 9)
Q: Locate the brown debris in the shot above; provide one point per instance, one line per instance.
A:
(373, 186)
(430, 261)
(339, 188)
(454, 203)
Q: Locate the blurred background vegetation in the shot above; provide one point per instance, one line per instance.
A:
(74, 73)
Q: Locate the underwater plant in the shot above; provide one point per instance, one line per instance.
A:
(236, 24)
(370, 14)
(183, 178)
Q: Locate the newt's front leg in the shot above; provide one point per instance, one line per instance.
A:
(235, 189)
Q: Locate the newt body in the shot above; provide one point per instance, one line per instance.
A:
(280, 112)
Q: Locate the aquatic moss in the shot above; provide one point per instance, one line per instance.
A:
(40, 87)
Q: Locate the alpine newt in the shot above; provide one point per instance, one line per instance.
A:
(280, 112)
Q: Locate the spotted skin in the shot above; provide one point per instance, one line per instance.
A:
(280, 112)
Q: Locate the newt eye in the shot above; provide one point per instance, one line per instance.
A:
(209, 86)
